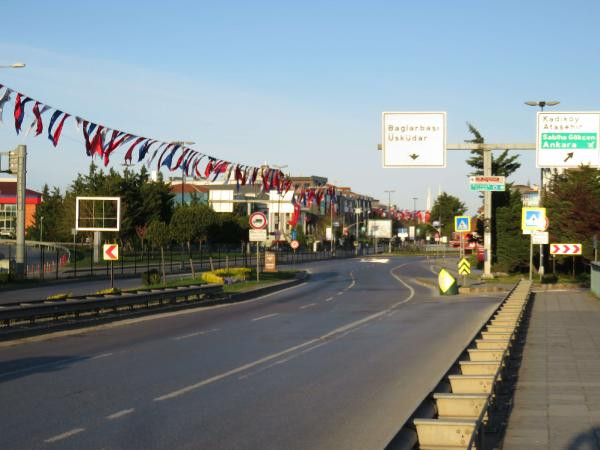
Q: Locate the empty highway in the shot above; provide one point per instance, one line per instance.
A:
(339, 361)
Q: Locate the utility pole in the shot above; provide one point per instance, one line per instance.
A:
(542, 104)
(487, 217)
(389, 193)
(17, 165)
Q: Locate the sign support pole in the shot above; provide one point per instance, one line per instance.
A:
(530, 257)
(258, 261)
(112, 274)
(487, 217)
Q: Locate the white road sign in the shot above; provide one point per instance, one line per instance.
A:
(483, 183)
(539, 237)
(257, 235)
(567, 139)
(380, 229)
(414, 139)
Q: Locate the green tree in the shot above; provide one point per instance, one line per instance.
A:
(159, 235)
(572, 201)
(503, 165)
(447, 206)
(512, 251)
(51, 210)
(185, 228)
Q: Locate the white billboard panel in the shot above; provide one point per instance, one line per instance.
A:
(414, 139)
(380, 229)
(567, 139)
(279, 203)
(221, 200)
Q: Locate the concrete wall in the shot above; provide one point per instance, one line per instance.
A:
(595, 275)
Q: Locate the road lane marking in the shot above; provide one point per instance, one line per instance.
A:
(265, 317)
(102, 355)
(119, 414)
(332, 335)
(65, 435)
(310, 305)
(42, 366)
(339, 293)
(329, 299)
(197, 333)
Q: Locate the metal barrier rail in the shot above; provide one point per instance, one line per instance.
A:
(26, 314)
(454, 413)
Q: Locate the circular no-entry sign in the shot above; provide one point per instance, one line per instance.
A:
(294, 245)
(258, 221)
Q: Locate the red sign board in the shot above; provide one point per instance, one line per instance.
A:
(294, 245)
(110, 252)
(566, 249)
(258, 221)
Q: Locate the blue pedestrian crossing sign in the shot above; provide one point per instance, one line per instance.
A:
(533, 219)
(462, 224)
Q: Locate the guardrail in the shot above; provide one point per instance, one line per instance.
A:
(22, 315)
(455, 413)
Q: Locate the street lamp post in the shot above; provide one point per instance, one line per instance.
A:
(389, 193)
(541, 104)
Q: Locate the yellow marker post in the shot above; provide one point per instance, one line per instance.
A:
(447, 283)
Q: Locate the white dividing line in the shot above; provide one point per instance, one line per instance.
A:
(310, 305)
(339, 293)
(275, 356)
(329, 299)
(102, 355)
(65, 435)
(265, 317)
(197, 333)
(119, 414)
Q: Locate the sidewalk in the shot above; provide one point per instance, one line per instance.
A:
(556, 403)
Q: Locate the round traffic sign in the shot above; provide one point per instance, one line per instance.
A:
(294, 245)
(258, 221)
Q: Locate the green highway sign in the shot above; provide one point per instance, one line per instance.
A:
(489, 183)
(570, 140)
(487, 187)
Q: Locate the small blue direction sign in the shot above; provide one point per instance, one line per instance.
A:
(533, 219)
(462, 224)
(294, 235)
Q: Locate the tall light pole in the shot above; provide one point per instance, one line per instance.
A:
(389, 193)
(279, 227)
(541, 104)
(182, 143)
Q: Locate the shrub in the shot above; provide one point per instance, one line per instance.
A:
(222, 276)
(549, 278)
(4, 277)
(60, 296)
(212, 278)
(109, 291)
(151, 277)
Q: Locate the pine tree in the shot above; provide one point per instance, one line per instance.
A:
(512, 251)
(447, 206)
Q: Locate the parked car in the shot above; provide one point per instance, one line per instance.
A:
(7, 234)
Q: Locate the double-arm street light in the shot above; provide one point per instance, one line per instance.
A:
(542, 104)
(17, 65)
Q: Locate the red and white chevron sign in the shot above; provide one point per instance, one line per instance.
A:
(565, 249)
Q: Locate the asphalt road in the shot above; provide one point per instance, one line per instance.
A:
(338, 362)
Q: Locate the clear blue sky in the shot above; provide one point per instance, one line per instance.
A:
(301, 84)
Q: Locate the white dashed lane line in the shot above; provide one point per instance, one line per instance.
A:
(329, 299)
(197, 333)
(340, 293)
(265, 317)
(120, 414)
(60, 437)
(310, 305)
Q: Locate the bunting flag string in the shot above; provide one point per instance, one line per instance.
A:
(102, 141)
